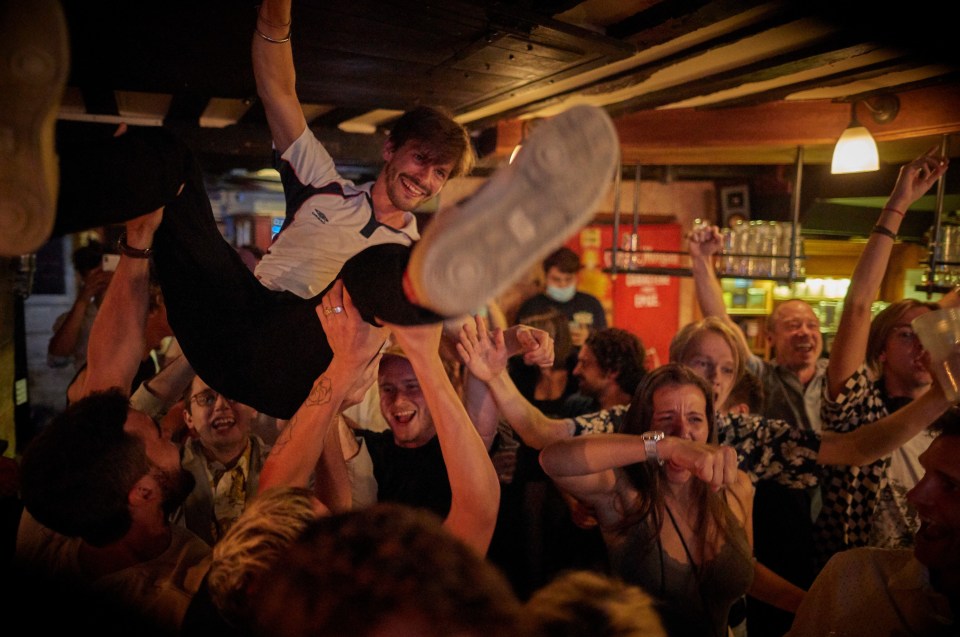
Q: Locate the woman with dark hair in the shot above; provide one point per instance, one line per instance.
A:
(675, 511)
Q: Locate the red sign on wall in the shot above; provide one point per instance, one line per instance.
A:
(646, 304)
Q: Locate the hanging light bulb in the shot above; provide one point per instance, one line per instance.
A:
(856, 150)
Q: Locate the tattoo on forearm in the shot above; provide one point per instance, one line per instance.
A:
(285, 434)
(320, 394)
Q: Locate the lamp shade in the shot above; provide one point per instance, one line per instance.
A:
(855, 152)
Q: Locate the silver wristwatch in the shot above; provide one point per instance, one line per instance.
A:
(650, 440)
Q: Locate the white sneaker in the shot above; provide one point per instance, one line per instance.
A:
(473, 251)
(34, 62)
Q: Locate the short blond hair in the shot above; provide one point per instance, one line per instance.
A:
(690, 334)
(265, 530)
(589, 604)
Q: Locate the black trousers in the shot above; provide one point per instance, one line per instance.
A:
(262, 347)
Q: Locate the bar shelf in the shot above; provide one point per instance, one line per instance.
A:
(677, 263)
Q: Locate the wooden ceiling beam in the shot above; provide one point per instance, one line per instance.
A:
(763, 134)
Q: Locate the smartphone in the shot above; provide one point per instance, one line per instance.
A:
(110, 262)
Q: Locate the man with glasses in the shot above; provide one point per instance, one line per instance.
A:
(225, 458)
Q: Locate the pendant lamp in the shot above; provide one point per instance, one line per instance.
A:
(856, 150)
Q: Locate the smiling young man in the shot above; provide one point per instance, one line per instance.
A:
(255, 336)
(224, 457)
(407, 460)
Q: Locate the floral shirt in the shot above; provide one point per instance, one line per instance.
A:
(772, 449)
(605, 421)
(767, 449)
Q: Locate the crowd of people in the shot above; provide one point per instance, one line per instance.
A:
(533, 478)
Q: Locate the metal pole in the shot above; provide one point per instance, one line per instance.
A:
(798, 181)
(616, 218)
(636, 203)
(936, 248)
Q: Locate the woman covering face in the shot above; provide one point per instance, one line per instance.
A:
(673, 508)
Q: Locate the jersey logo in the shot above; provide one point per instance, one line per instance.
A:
(322, 218)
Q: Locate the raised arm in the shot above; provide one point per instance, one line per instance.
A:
(65, 339)
(356, 347)
(868, 444)
(274, 73)
(473, 480)
(117, 338)
(485, 354)
(849, 347)
(703, 243)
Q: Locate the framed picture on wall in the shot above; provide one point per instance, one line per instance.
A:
(734, 204)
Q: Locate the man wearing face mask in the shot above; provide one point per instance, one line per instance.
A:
(584, 311)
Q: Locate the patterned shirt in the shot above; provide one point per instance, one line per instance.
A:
(866, 506)
(329, 219)
(767, 449)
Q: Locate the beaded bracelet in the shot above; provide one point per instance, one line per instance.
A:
(899, 212)
(136, 253)
(887, 232)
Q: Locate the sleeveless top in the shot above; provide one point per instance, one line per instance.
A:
(686, 606)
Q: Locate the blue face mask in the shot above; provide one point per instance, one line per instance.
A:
(561, 295)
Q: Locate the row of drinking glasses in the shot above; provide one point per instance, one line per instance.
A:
(946, 255)
(760, 249)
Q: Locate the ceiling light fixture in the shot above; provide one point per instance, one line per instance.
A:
(856, 150)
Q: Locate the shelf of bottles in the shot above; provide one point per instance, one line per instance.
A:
(762, 250)
(943, 249)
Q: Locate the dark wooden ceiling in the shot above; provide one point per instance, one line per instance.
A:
(667, 66)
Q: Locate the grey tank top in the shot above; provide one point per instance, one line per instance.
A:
(687, 607)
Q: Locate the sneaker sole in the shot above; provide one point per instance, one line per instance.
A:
(473, 251)
(34, 62)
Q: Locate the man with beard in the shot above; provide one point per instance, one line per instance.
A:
(609, 368)
(873, 591)
(223, 455)
(100, 482)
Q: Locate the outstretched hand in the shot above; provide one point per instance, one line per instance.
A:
(534, 344)
(916, 178)
(482, 351)
(350, 337)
